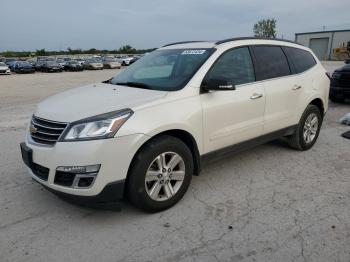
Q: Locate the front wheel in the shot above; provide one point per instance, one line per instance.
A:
(160, 174)
(307, 130)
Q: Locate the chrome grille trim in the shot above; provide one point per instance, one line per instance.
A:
(47, 132)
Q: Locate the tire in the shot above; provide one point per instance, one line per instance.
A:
(298, 140)
(139, 191)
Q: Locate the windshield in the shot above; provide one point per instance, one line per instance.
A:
(2, 64)
(93, 60)
(51, 63)
(166, 70)
(109, 59)
(23, 64)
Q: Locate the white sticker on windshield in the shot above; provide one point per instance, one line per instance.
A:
(193, 52)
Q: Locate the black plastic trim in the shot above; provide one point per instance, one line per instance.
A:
(109, 198)
(217, 154)
(184, 42)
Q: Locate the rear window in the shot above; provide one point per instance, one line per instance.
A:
(272, 62)
(301, 59)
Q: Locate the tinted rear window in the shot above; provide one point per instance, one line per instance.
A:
(302, 60)
(271, 61)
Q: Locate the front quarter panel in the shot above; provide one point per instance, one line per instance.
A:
(177, 113)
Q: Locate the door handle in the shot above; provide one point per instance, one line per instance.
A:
(296, 87)
(256, 96)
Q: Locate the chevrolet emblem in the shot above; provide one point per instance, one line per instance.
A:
(32, 129)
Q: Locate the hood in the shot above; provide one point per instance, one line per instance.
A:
(25, 66)
(345, 68)
(92, 100)
(4, 67)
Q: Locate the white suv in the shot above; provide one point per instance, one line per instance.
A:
(145, 132)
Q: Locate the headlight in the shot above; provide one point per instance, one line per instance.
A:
(97, 127)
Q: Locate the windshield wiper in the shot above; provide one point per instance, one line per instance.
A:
(135, 84)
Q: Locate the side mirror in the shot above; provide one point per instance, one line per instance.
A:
(216, 84)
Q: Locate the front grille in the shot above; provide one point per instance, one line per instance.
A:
(40, 171)
(344, 80)
(2, 71)
(45, 131)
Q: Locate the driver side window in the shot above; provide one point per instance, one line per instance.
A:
(234, 66)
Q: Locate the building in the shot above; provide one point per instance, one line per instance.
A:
(327, 45)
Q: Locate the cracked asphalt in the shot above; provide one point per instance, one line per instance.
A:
(269, 203)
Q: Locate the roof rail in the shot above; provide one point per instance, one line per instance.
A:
(253, 38)
(183, 42)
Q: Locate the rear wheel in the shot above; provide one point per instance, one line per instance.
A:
(307, 130)
(160, 174)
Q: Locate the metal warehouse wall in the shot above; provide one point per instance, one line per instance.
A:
(315, 41)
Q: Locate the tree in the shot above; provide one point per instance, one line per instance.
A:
(127, 49)
(265, 28)
(41, 52)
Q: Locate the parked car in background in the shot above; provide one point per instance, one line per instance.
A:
(23, 67)
(347, 61)
(51, 66)
(110, 62)
(39, 64)
(81, 61)
(10, 61)
(134, 59)
(4, 69)
(11, 64)
(62, 62)
(32, 62)
(340, 84)
(124, 60)
(145, 132)
(93, 64)
(73, 66)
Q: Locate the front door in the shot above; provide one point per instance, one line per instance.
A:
(234, 116)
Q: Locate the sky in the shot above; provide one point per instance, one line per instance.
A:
(109, 24)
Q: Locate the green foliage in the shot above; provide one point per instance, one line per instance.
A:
(16, 54)
(265, 28)
(41, 52)
(126, 49)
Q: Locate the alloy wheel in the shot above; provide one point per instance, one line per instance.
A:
(310, 128)
(165, 176)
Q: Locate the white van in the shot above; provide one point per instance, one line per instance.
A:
(145, 132)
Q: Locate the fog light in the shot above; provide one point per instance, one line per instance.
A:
(85, 181)
(79, 169)
(76, 176)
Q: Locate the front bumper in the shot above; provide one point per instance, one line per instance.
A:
(25, 70)
(5, 72)
(114, 155)
(339, 92)
(110, 197)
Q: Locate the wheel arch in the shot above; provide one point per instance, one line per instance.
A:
(185, 137)
(319, 103)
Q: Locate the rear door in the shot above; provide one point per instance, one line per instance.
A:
(230, 117)
(282, 89)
